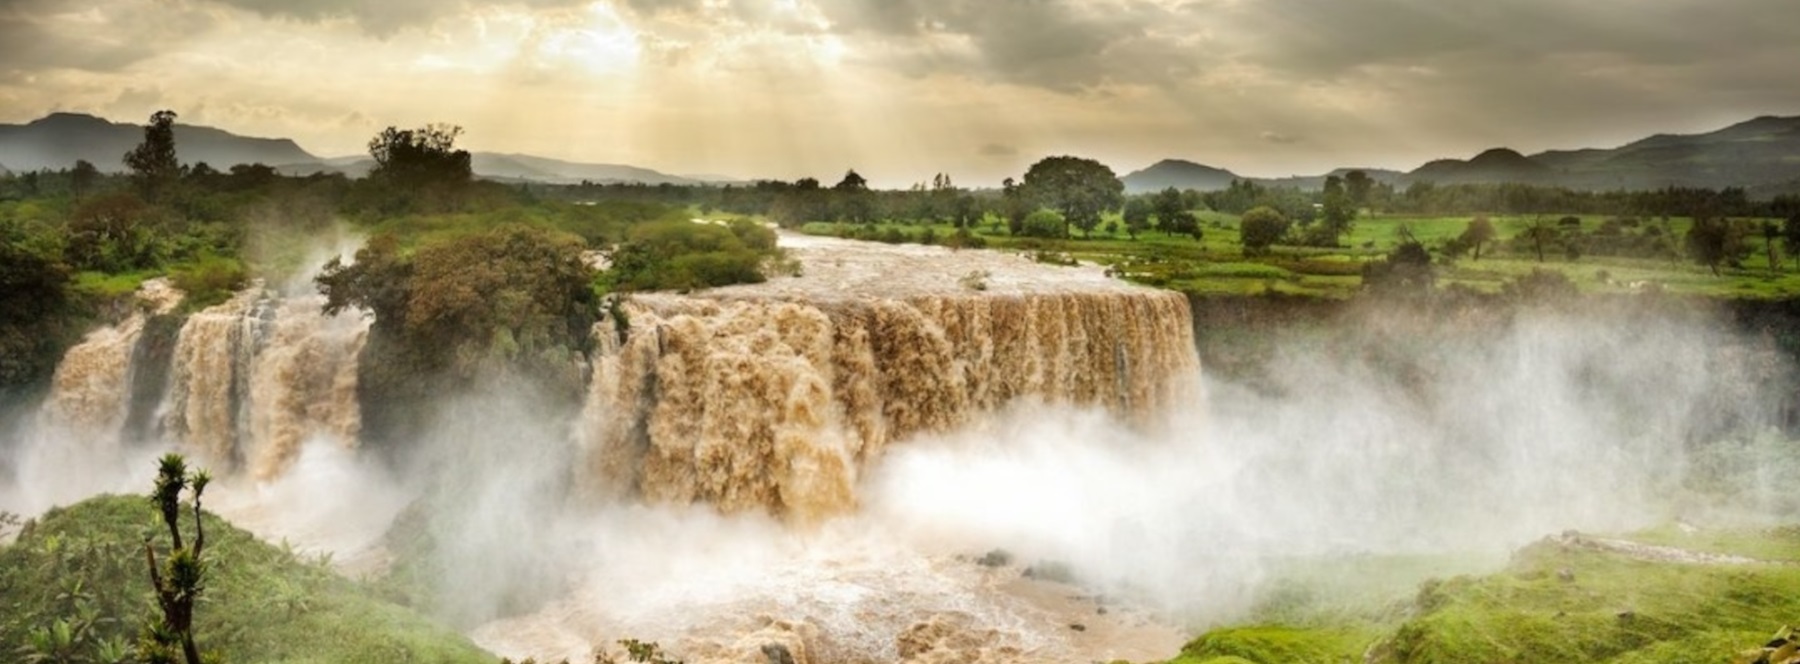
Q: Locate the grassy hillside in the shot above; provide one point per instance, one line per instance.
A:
(1660, 597)
(77, 576)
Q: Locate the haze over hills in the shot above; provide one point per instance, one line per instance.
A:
(1762, 154)
(58, 140)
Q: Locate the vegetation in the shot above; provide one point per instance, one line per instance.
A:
(1567, 599)
(178, 582)
(73, 590)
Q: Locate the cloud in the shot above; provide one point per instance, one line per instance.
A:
(383, 18)
(998, 150)
(1278, 138)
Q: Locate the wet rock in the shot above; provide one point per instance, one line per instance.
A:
(777, 653)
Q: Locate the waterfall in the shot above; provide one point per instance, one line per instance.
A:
(774, 404)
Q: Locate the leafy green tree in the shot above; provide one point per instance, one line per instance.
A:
(1338, 213)
(1081, 190)
(1045, 224)
(1260, 228)
(1540, 235)
(181, 578)
(1405, 271)
(1715, 240)
(1478, 233)
(153, 164)
(1790, 238)
(1137, 215)
(1167, 206)
(1358, 185)
(1015, 206)
(417, 170)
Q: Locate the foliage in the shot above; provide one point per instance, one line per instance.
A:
(679, 255)
(1405, 271)
(152, 163)
(1713, 241)
(179, 583)
(83, 566)
(1262, 227)
(417, 170)
(506, 296)
(1079, 189)
(209, 280)
(1044, 224)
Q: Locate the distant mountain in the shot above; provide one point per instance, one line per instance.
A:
(508, 168)
(543, 169)
(1761, 155)
(1382, 175)
(58, 140)
(1179, 174)
(1495, 165)
(1758, 152)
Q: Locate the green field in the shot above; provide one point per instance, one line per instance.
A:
(1561, 600)
(1217, 265)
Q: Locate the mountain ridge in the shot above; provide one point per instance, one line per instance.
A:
(58, 140)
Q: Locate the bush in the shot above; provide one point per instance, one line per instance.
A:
(209, 280)
(1044, 223)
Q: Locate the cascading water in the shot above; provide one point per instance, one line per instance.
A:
(255, 377)
(777, 405)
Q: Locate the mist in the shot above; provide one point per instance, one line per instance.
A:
(1393, 434)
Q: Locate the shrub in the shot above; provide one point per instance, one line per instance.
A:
(1044, 223)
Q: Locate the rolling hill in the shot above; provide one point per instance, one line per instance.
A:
(1761, 155)
(58, 140)
(1179, 174)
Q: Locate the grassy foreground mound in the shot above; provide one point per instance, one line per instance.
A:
(76, 582)
(1663, 597)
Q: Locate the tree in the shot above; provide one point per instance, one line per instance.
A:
(1015, 206)
(1540, 233)
(1045, 223)
(1261, 227)
(152, 163)
(1168, 204)
(83, 177)
(181, 578)
(1338, 212)
(1790, 236)
(1714, 240)
(1770, 233)
(852, 182)
(1185, 223)
(1479, 232)
(414, 160)
(1405, 271)
(1137, 216)
(1358, 185)
(1080, 189)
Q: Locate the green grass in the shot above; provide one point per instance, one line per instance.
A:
(1552, 604)
(1217, 265)
(84, 564)
(105, 286)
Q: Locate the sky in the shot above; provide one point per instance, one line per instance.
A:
(902, 89)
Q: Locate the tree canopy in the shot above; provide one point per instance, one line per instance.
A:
(1079, 189)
